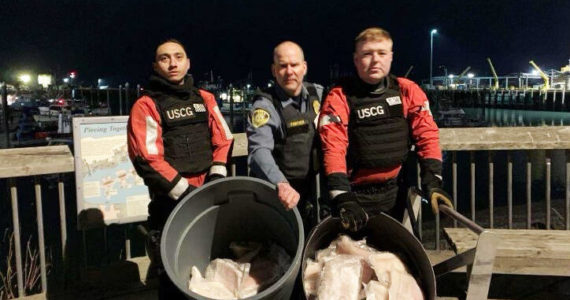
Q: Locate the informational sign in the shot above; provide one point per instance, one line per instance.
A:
(108, 188)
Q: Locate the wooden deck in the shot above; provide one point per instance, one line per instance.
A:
(520, 251)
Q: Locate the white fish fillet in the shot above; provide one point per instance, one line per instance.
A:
(376, 291)
(206, 288)
(384, 263)
(249, 287)
(311, 277)
(404, 286)
(255, 269)
(326, 254)
(345, 245)
(333, 272)
(227, 272)
(341, 278)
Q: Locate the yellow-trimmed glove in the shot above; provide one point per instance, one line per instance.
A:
(437, 196)
(352, 215)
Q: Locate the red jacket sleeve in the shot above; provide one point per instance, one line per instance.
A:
(423, 127)
(333, 130)
(146, 149)
(221, 135)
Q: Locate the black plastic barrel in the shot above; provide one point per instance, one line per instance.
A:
(205, 222)
(385, 234)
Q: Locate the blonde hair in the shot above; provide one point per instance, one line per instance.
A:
(372, 34)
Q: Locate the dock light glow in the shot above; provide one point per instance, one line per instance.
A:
(25, 78)
(44, 80)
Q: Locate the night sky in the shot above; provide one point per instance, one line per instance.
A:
(115, 40)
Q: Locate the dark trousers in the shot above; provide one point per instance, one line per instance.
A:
(307, 205)
(159, 209)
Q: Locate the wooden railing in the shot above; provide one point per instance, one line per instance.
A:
(35, 161)
(38, 161)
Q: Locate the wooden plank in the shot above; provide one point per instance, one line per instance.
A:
(480, 138)
(240, 145)
(32, 161)
(505, 138)
(535, 252)
(460, 239)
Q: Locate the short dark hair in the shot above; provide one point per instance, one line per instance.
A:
(170, 40)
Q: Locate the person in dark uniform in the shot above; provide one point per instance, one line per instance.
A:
(367, 124)
(282, 136)
(177, 140)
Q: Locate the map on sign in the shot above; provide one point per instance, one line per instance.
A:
(108, 188)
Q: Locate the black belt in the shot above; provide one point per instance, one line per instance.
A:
(375, 188)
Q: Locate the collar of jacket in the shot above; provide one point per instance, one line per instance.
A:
(373, 88)
(285, 99)
(159, 85)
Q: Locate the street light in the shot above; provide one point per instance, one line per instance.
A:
(433, 31)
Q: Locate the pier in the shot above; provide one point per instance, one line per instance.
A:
(527, 99)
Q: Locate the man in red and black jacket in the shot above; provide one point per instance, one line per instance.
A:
(366, 125)
(177, 140)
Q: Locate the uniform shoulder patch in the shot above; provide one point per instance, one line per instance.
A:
(259, 117)
(316, 106)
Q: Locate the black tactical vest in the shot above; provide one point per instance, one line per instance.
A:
(185, 131)
(378, 132)
(296, 153)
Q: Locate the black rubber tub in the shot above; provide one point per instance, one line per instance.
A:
(383, 233)
(205, 222)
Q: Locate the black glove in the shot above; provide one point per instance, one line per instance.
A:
(437, 196)
(214, 177)
(325, 211)
(431, 184)
(352, 215)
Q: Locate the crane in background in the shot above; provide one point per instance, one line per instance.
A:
(546, 85)
(463, 73)
(409, 71)
(496, 84)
